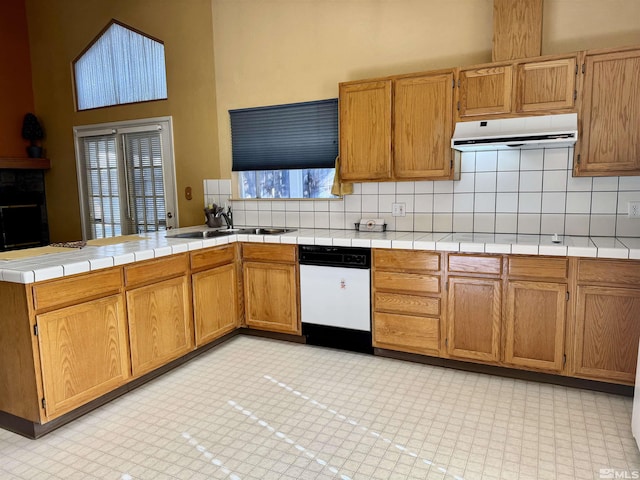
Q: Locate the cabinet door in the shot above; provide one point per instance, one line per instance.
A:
(215, 303)
(473, 318)
(159, 323)
(270, 291)
(607, 333)
(83, 351)
(485, 91)
(365, 131)
(546, 86)
(610, 143)
(423, 123)
(535, 321)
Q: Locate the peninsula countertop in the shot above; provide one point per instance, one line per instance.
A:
(154, 245)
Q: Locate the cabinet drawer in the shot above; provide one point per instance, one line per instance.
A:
(269, 252)
(408, 304)
(406, 282)
(201, 259)
(77, 289)
(475, 264)
(404, 260)
(406, 333)
(538, 267)
(618, 272)
(156, 270)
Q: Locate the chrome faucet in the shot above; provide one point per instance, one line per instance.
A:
(228, 217)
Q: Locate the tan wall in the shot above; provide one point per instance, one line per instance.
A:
(60, 29)
(282, 51)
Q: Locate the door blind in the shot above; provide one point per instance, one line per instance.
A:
(145, 181)
(103, 192)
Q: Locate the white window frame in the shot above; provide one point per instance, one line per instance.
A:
(165, 124)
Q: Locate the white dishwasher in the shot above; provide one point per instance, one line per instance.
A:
(335, 296)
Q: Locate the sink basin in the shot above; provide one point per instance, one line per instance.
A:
(232, 231)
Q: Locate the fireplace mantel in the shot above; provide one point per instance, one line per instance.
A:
(25, 163)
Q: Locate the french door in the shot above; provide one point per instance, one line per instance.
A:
(126, 177)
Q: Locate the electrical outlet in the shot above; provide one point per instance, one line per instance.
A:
(633, 209)
(399, 209)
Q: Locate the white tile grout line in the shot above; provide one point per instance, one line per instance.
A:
(209, 456)
(315, 403)
(288, 440)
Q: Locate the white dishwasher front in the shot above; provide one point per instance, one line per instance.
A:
(335, 296)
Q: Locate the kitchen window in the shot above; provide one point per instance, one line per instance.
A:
(120, 66)
(126, 177)
(285, 151)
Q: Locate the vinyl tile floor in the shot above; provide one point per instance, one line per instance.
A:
(254, 408)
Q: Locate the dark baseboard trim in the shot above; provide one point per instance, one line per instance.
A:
(287, 337)
(616, 389)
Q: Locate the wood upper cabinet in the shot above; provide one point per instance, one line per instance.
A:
(271, 287)
(484, 91)
(609, 139)
(215, 285)
(541, 86)
(607, 321)
(159, 312)
(83, 352)
(365, 130)
(534, 324)
(397, 127)
(474, 318)
(422, 126)
(546, 85)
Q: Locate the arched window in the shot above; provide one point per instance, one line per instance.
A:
(120, 66)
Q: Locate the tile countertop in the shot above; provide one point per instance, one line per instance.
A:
(154, 245)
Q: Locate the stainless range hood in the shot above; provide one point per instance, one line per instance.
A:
(546, 131)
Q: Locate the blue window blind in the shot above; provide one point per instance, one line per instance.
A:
(279, 137)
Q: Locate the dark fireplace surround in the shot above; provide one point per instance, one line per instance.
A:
(23, 209)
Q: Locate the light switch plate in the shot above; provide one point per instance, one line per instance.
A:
(399, 209)
(633, 209)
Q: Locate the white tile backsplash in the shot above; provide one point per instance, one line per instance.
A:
(507, 191)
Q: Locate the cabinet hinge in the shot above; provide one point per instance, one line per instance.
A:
(458, 83)
(575, 95)
(446, 342)
(451, 164)
(564, 359)
(453, 83)
(446, 285)
(576, 68)
(35, 329)
(567, 296)
(584, 68)
(458, 106)
(44, 403)
(578, 159)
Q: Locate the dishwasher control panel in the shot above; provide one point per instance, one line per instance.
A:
(347, 257)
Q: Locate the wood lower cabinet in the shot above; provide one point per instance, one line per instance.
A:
(84, 353)
(534, 325)
(407, 301)
(609, 141)
(158, 312)
(215, 293)
(474, 318)
(607, 320)
(270, 274)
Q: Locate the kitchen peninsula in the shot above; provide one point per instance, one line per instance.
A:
(82, 326)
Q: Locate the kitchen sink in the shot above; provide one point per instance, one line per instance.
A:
(232, 231)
